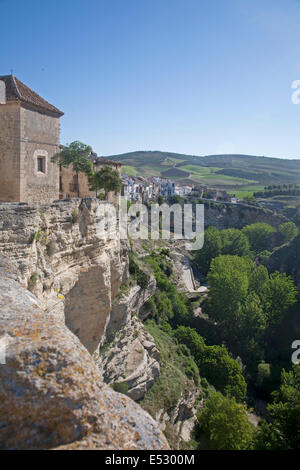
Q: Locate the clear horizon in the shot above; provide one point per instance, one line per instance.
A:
(206, 155)
(191, 77)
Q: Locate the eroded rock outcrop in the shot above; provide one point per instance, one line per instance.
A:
(72, 263)
(132, 359)
(225, 216)
(51, 392)
(128, 303)
(182, 417)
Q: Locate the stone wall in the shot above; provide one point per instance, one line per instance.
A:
(24, 136)
(72, 185)
(40, 137)
(10, 148)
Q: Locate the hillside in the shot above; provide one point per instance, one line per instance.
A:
(236, 173)
(287, 259)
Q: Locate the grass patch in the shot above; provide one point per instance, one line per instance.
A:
(129, 170)
(173, 381)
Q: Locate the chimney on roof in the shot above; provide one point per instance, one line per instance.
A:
(2, 92)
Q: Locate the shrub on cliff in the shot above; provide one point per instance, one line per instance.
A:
(137, 273)
(225, 424)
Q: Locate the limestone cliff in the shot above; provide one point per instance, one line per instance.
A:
(128, 303)
(72, 268)
(51, 392)
(131, 360)
(225, 216)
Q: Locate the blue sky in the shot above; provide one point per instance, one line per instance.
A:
(191, 76)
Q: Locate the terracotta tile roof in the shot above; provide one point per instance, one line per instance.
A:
(16, 90)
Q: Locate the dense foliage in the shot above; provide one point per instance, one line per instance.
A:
(258, 235)
(215, 363)
(282, 430)
(107, 179)
(225, 424)
(248, 304)
(249, 309)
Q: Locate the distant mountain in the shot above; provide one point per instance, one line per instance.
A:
(245, 172)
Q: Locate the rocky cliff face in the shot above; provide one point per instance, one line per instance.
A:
(223, 216)
(51, 392)
(128, 303)
(68, 273)
(182, 418)
(66, 262)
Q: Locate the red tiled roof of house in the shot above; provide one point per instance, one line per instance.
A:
(16, 90)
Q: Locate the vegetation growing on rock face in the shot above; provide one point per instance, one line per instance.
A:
(282, 430)
(140, 276)
(179, 376)
(121, 387)
(249, 314)
(75, 216)
(215, 363)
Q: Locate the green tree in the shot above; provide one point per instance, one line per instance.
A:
(278, 294)
(282, 431)
(214, 363)
(212, 248)
(229, 282)
(288, 231)
(223, 371)
(237, 290)
(107, 178)
(225, 424)
(258, 235)
(257, 278)
(75, 154)
(252, 323)
(234, 242)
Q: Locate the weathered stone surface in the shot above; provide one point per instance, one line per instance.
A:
(225, 216)
(51, 393)
(131, 358)
(126, 304)
(74, 269)
(182, 417)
